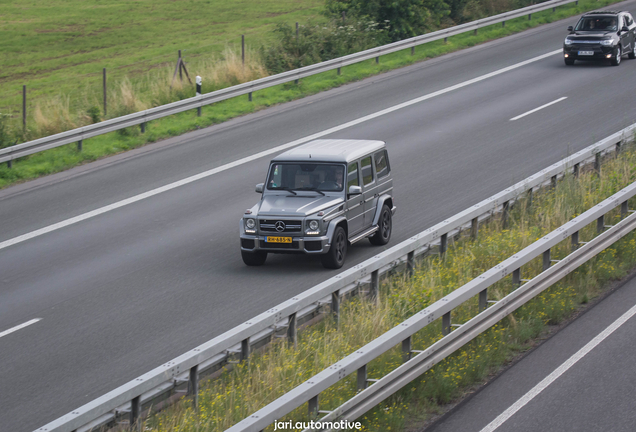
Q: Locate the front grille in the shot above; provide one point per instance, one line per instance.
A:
(269, 225)
(265, 245)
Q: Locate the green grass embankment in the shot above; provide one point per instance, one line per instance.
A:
(269, 374)
(59, 159)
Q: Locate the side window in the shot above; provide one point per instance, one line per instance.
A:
(381, 164)
(628, 20)
(367, 170)
(352, 175)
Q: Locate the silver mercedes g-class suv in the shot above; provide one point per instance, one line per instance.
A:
(318, 199)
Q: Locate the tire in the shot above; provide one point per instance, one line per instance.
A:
(632, 54)
(335, 258)
(616, 60)
(385, 226)
(569, 61)
(254, 258)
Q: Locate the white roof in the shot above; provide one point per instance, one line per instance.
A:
(331, 150)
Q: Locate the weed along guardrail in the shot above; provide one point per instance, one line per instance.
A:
(418, 362)
(141, 118)
(236, 344)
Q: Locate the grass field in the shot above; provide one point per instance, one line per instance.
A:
(61, 46)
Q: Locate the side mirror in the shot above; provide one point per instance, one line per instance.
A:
(355, 190)
(625, 29)
(570, 28)
(259, 187)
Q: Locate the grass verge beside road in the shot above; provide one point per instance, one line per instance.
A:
(68, 156)
(269, 374)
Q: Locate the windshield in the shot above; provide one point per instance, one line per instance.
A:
(597, 23)
(306, 176)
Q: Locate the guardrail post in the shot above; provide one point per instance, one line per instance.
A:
(618, 148)
(575, 241)
(600, 224)
(135, 411)
(504, 214)
(503, 23)
(483, 300)
(413, 50)
(553, 10)
(575, 170)
(338, 71)
(143, 127)
(377, 60)
(597, 163)
(624, 209)
(475, 32)
(410, 263)
(245, 349)
(516, 277)
(530, 195)
(335, 306)
(79, 145)
(474, 228)
(292, 334)
(362, 378)
(446, 323)
(529, 17)
(553, 182)
(374, 290)
(193, 385)
(313, 407)
(443, 244)
(406, 349)
(546, 260)
(445, 40)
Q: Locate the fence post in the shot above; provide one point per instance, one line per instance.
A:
(292, 334)
(243, 50)
(193, 385)
(600, 224)
(24, 107)
(483, 300)
(374, 290)
(546, 260)
(362, 378)
(104, 88)
(245, 349)
(335, 306)
(135, 411)
(313, 407)
(296, 31)
(406, 349)
(446, 323)
(575, 241)
(198, 83)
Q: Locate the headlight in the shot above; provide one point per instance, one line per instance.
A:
(250, 223)
(313, 225)
(568, 41)
(607, 42)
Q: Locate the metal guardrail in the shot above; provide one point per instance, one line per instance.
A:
(240, 340)
(423, 361)
(141, 118)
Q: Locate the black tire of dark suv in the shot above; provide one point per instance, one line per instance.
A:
(569, 61)
(254, 258)
(616, 59)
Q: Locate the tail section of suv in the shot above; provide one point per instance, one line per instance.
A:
(320, 198)
(601, 35)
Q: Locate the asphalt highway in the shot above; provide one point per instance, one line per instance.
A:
(120, 293)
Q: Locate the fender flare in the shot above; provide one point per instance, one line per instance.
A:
(332, 227)
(381, 201)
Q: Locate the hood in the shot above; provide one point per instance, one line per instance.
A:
(590, 34)
(296, 205)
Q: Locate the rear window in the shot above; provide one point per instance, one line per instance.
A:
(381, 164)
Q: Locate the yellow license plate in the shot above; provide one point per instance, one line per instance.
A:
(278, 239)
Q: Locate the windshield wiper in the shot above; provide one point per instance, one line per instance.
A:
(286, 189)
(312, 189)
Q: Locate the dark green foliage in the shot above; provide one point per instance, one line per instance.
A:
(316, 43)
(401, 19)
(95, 114)
(5, 139)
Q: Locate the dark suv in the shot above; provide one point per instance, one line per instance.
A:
(601, 35)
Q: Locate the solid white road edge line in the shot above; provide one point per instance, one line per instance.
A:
(277, 149)
(559, 371)
(21, 326)
(537, 109)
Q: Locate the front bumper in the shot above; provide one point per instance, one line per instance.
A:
(299, 244)
(599, 52)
